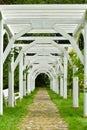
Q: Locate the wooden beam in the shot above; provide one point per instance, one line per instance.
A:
(12, 40)
(28, 20)
(72, 41)
(1, 64)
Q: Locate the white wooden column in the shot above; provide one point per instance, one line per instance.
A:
(51, 84)
(24, 84)
(65, 78)
(1, 65)
(24, 77)
(28, 84)
(54, 84)
(21, 77)
(61, 85)
(57, 85)
(11, 83)
(32, 83)
(75, 89)
(85, 70)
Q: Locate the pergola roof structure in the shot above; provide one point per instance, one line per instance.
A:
(43, 17)
(47, 53)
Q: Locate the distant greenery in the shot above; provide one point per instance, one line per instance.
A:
(73, 116)
(12, 116)
(80, 71)
(42, 1)
(42, 80)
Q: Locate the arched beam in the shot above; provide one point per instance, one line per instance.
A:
(23, 51)
(36, 58)
(46, 66)
(72, 41)
(13, 39)
(64, 51)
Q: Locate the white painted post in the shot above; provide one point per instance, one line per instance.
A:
(32, 84)
(21, 77)
(51, 84)
(65, 78)
(24, 84)
(1, 65)
(28, 84)
(75, 89)
(11, 83)
(24, 77)
(57, 86)
(61, 85)
(85, 69)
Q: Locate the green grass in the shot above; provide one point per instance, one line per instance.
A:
(12, 116)
(73, 116)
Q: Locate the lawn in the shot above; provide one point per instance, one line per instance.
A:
(14, 115)
(73, 116)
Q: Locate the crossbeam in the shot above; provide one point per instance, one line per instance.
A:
(12, 40)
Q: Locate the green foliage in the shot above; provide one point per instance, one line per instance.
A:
(42, 1)
(80, 71)
(5, 74)
(81, 41)
(73, 116)
(13, 52)
(16, 78)
(70, 76)
(5, 41)
(13, 116)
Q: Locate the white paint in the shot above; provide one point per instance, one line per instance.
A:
(11, 98)
(75, 89)
(85, 69)
(1, 64)
(21, 77)
(65, 78)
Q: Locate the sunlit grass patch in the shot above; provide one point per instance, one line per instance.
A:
(73, 116)
(12, 116)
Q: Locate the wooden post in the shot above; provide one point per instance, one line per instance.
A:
(11, 83)
(21, 77)
(1, 65)
(65, 78)
(85, 69)
(24, 84)
(57, 85)
(75, 89)
(61, 85)
(28, 84)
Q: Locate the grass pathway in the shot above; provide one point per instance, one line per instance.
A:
(43, 114)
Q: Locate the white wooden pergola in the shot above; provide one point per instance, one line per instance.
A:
(49, 56)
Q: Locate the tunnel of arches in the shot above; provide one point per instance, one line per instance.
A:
(42, 80)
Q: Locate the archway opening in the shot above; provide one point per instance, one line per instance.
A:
(42, 80)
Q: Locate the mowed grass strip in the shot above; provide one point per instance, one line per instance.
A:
(73, 116)
(12, 116)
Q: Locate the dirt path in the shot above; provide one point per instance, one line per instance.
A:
(43, 115)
